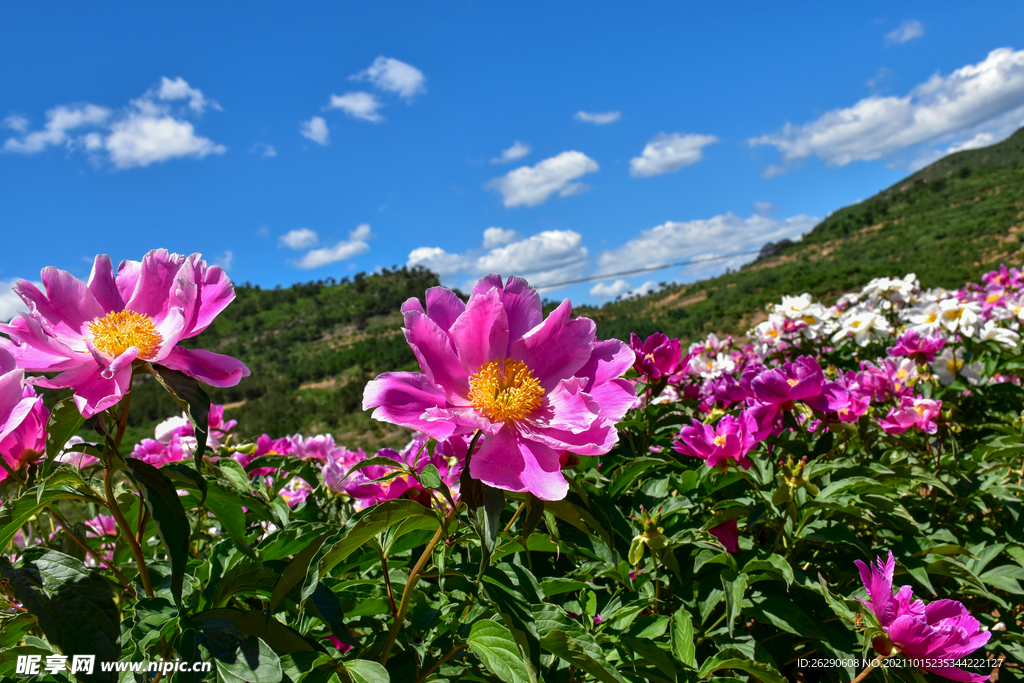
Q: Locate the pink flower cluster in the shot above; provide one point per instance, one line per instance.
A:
(22, 419)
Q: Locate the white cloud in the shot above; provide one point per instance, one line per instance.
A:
(355, 245)
(908, 30)
(300, 238)
(644, 289)
(145, 132)
(548, 256)
(764, 208)
(15, 122)
(11, 303)
(178, 89)
(533, 185)
(720, 235)
(59, 121)
(143, 138)
(226, 261)
(600, 118)
(392, 75)
(516, 151)
(669, 153)
(603, 289)
(497, 237)
(359, 105)
(264, 150)
(316, 130)
(940, 108)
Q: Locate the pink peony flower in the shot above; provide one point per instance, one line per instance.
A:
(159, 454)
(917, 347)
(295, 491)
(731, 439)
(656, 357)
(943, 629)
(535, 388)
(912, 412)
(779, 389)
(102, 525)
(22, 418)
(338, 644)
(93, 333)
(339, 462)
(181, 426)
(449, 458)
(728, 535)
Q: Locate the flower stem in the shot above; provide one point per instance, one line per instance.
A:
(126, 531)
(514, 516)
(410, 584)
(387, 581)
(451, 653)
(870, 667)
(85, 546)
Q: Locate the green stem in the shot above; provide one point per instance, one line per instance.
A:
(870, 667)
(87, 548)
(126, 531)
(448, 655)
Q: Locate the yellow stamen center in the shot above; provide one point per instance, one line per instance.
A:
(954, 365)
(792, 382)
(902, 373)
(116, 332)
(994, 297)
(809, 320)
(505, 389)
(720, 440)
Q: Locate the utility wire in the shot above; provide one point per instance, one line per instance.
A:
(650, 269)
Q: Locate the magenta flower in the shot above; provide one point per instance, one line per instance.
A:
(92, 333)
(181, 426)
(728, 535)
(535, 388)
(912, 412)
(159, 454)
(339, 462)
(917, 347)
(656, 357)
(779, 389)
(943, 629)
(730, 439)
(363, 487)
(101, 525)
(22, 418)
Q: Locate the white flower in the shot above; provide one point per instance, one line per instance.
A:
(991, 331)
(892, 290)
(925, 319)
(959, 316)
(793, 307)
(861, 325)
(949, 364)
(709, 368)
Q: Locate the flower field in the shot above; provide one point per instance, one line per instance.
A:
(834, 497)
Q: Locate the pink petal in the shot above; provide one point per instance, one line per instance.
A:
(486, 284)
(157, 277)
(557, 348)
(212, 368)
(69, 299)
(608, 361)
(93, 393)
(215, 294)
(434, 351)
(103, 285)
(444, 307)
(913, 636)
(403, 398)
(954, 673)
(34, 349)
(522, 305)
(507, 462)
(615, 397)
(481, 332)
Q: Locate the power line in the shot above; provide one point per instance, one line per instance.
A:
(649, 269)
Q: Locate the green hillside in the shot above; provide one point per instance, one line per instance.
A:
(312, 347)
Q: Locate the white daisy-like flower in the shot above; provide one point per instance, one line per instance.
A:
(959, 316)
(991, 331)
(949, 364)
(862, 325)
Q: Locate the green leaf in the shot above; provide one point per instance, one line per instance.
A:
(168, 515)
(725, 660)
(497, 649)
(534, 513)
(74, 605)
(571, 650)
(295, 572)
(556, 586)
(430, 477)
(838, 606)
(236, 658)
(358, 531)
(485, 504)
(186, 477)
(234, 473)
(248, 576)
(776, 564)
(365, 671)
(628, 472)
(193, 399)
(15, 513)
(154, 619)
(734, 591)
(259, 625)
(64, 421)
(682, 638)
(226, 506)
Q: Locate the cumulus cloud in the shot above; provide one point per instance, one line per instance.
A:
(15, 122)
(355, 244)
(533, 185)
(669, 153)
(300, 238)
(516, 151)
(604, 289)
(392, 75)
(497, 237)
(316, 130)
(264, 150)
(907, 31)
(547, 256)
(359, 105)
(679, 241)
(225, 261)
(968, 101)
(600, 118)
(147, 131)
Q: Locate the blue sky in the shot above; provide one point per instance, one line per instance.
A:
(554, 140)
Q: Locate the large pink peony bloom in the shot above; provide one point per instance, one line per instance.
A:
(535, 388)
(92, 333)
(22, 418)
(942, 630)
